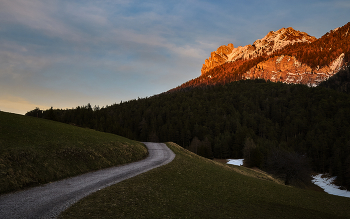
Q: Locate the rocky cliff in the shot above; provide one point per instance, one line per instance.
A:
(217, 57)
(286, 55)
(272, 42)
(289, 70)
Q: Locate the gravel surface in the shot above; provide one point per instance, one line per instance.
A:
(49, 200)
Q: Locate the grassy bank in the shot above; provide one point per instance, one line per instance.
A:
(36, 151)
(194, 187)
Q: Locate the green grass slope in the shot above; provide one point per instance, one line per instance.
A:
(193, 187)
(35, 151)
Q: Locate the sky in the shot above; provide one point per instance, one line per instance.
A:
(68, 53)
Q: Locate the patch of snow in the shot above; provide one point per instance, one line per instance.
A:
(270, 43)
(237, 53)
(337, 63)
(326, 183)
(279, 59)
(296, 62)
(311, 85)
(237, 162)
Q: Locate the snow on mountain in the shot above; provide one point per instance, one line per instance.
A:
(272, 42)
(338, 63)
(287, 55)
(289, 70)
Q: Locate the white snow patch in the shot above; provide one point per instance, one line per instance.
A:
(269, 44)
(237, 53)
(311, 85)
(296, 63)
(337, 63)
(326, 183)
(279, 59)
(237, 162)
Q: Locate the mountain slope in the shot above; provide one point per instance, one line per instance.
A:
(286, 55)
(272, 42)
(215, 121)
(339, 82)
(36, 151)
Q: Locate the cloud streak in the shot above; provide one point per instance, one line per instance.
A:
(64, 53)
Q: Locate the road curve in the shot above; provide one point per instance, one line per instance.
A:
(49, 200)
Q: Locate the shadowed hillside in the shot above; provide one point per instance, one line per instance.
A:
(220, 121)
(194, 187)
(36, 151)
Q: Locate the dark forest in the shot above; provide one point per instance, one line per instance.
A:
(258, 120)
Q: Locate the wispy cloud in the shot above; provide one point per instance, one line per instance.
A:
(63, 52)
(36, 15)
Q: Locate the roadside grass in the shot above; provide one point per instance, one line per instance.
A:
(36, 151)
(194, 187)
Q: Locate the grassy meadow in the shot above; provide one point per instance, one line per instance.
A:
(35, 151)
(194, 187)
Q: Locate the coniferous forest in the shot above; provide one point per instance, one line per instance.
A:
(293, 127)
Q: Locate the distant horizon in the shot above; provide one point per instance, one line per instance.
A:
(64, 54)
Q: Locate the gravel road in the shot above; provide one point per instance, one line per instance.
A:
(49, 200)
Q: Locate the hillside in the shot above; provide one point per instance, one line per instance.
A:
(36, 151)
(339, 82)
(225, 114)
(193, 187)
(286, 55)
(216, 121)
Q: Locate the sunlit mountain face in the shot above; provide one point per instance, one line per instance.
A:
(285, 55)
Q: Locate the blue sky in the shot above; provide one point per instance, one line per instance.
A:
(66, 53)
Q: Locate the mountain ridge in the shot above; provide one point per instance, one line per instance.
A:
(273, 41)
(315, 60)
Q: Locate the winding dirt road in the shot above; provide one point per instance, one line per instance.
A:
(49, 200)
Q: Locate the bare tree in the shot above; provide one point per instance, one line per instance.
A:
(290, 166)
(153, 137)
(195, 144)
(248, 150)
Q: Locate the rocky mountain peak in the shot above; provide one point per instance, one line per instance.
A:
(217, 57)
(273, 41)
(288, 34)
(285, 55)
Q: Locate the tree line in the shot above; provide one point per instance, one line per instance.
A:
(261, 121)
